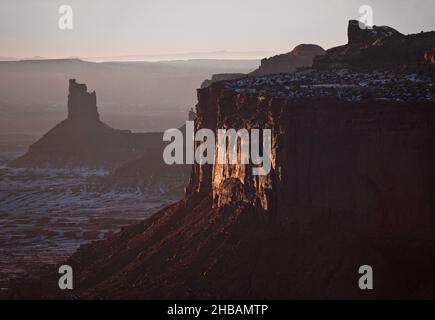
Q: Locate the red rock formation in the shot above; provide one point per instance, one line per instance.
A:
(84, 140)
(82, 106)
(329, 154)
(368, 36)
(301, 56)
(377, 47)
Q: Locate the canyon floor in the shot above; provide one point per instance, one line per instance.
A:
(46, 214)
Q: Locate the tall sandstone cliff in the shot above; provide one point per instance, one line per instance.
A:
(367, 162)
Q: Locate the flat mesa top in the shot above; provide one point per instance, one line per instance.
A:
(342, 83)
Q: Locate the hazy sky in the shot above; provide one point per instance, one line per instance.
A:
(112, 28)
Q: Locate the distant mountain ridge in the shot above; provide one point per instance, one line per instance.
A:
(8, 59)
(160, 57)
(219, 55)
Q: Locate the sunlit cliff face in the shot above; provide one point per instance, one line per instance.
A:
(328, 129)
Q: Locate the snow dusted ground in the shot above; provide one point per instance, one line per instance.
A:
(342, 83)
(46, 214)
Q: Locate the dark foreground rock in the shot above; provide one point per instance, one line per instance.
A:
(191, 251)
